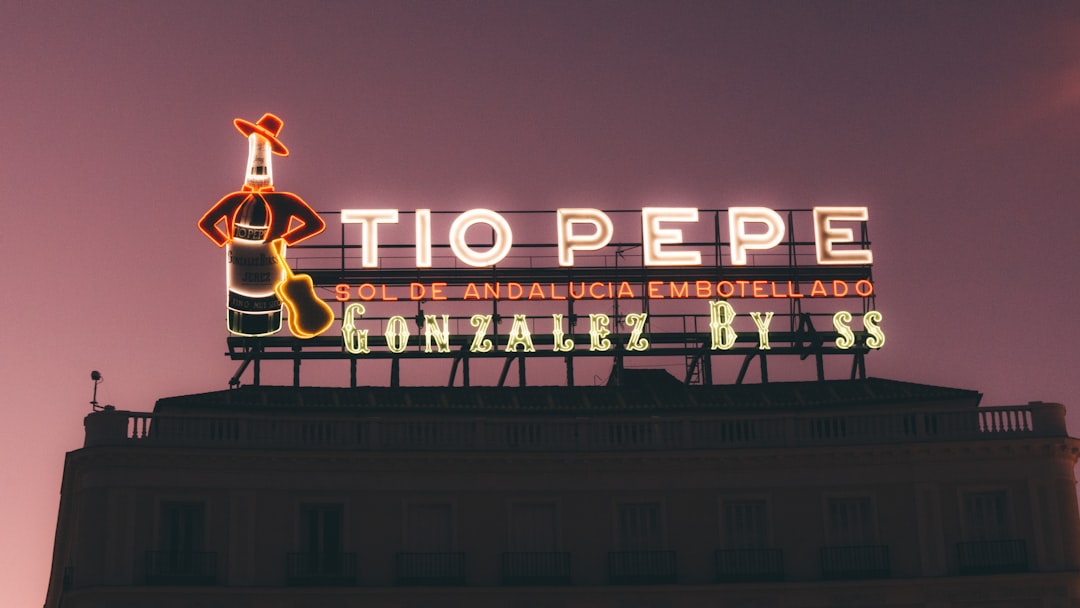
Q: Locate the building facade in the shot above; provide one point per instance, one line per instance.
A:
(811, 494)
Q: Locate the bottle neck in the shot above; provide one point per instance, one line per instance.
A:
(260, 173)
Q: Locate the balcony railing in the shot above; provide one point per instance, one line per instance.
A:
(866, 561)
(992, 556)
(536, 568)
(477, 433)
(747, 565)
(642, 568)
(431, 569)
(181, 568)
(321, 569)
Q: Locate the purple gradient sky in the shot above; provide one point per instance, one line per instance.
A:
(957, 123)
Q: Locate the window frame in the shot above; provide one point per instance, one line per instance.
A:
(722, 529)
(875, 526)
(1008, 520)
(557, 521)
(407, 542)
(661, 511)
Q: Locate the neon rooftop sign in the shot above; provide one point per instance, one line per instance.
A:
(664, 280)
(660, 234)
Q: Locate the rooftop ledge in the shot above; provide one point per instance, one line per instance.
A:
(691, 430)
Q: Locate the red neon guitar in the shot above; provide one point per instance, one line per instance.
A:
(309, 316)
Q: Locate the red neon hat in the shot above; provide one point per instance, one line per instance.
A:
(268, 126)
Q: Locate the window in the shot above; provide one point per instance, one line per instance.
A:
(321, 546)
(429, 557)
(322, 559)
(321, 530)
(746, 553)
(639, 527)
(181, 557)
(640, 558)
(852, 536)
(533, 557)
(988, 546)
(985, 516)
(183, 528)
(851, 521)
(429, 528)
(745, 524)
(533, 527)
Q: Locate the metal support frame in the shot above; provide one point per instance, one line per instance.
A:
(801, 338)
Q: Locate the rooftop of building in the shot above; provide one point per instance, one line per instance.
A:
(641, 392)
(648, 411)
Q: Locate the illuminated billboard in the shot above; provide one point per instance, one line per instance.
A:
(658, 280)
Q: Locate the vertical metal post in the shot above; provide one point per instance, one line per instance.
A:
(716, 236)
(296, 367)
(793, 266)
(570, 323)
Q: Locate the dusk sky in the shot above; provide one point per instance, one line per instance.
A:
(956, 123)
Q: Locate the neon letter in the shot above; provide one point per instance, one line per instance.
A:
(397, 334)
(875, 338)
(762, 329)
(440, 334)
(519, 336)
(598, 332)
(499, 248)
(841, 321)
(721, 315)
(568, 241)
(423, 238)
(825, 236)
(637, 321)
(562, 343)
(653, 237)
(369, 220)
(739, 217)
(356, 340)
(480, 344)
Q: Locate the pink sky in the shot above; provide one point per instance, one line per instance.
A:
(957, 124)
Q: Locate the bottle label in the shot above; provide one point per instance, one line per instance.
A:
(252, 270)
(243, 303)
(249, 233)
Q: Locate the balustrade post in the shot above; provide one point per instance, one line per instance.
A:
(107, 427)
(790, 431)
(1048, 419)
(374, 439)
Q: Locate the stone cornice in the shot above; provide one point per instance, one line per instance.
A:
(1064, 450)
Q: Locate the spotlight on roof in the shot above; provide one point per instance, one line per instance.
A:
(97, 378)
